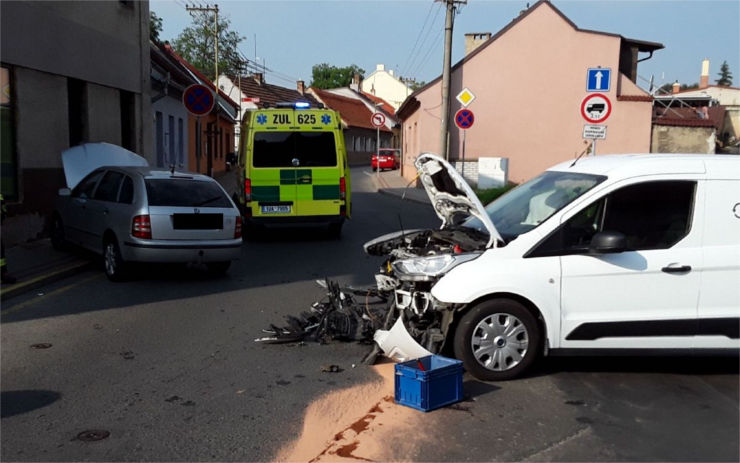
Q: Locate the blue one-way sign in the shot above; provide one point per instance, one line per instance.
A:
(598, 80)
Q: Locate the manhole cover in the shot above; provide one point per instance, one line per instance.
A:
(41, 345)
(93, 435)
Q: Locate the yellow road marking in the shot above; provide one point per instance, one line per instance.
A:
(53, 293)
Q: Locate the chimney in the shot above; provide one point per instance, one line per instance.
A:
(474, 40)
(676, 87)
(301, 87)
(355, 85)
(704, 78)
(259, 78)
(380, 67)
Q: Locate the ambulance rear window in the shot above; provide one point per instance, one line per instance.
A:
(278, 149)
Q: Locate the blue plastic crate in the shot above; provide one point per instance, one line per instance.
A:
(437, 385)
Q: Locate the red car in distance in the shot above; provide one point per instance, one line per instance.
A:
(387, 158)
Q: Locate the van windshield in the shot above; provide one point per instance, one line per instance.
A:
(279, 149)
(528, 205)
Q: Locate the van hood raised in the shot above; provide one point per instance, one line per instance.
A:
(80, 160)
(452, 198)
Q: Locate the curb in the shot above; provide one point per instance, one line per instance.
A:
(41, 280)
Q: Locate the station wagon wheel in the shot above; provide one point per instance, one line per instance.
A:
(115, 267)
(57, 233)
(497, 340)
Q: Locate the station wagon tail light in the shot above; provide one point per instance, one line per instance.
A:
(247, 189)
(238, 227)
(142, 227)
(342, 188)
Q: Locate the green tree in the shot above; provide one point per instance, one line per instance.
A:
(725, 76)
(155, 26)
(325, 76)
(196, 45)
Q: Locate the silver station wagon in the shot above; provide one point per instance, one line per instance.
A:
(129, 212)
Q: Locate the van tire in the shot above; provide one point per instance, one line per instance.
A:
(503, 328)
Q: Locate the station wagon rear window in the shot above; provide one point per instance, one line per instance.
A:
(185, 193)
(279, 149)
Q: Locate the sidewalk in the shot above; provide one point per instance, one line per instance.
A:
(391, 183)
(36, 263)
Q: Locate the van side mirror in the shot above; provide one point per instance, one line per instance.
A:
(608, 242)
(64, 192)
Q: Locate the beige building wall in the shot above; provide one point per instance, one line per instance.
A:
(529, 83)
(386, 85)
(669, 139)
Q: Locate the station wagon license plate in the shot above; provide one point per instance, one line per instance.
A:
(276, 209)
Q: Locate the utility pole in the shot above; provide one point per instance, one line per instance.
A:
(446, 65)
(215, 134)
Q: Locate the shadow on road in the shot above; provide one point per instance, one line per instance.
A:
(18, 402)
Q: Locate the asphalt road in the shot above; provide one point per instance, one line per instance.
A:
(166, 364)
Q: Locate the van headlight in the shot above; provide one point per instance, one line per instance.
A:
(430, 268)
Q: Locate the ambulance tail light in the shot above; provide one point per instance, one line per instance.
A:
(247, 190)
(141, 227)
(342, 188)
(238, 227)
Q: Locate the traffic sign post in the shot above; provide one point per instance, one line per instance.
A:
(594, 132)
(198, 99)
(464, 119)
(595, 108)
(377, 119)
(598, 80)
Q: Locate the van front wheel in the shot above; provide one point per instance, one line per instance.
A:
(497, 340)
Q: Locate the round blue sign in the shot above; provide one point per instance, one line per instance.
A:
(198, 99)
(464, 118)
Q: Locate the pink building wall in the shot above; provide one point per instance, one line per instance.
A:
(529, 83)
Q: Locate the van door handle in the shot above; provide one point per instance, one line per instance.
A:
(673, 268)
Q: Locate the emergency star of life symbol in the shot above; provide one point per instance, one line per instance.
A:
(326, 119)
(198, 99)
(262, 119)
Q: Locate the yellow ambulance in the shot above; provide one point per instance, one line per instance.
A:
(293, 167)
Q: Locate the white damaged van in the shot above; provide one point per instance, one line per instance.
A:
(617, 253)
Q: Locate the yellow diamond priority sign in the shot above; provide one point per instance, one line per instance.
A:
(465, 97)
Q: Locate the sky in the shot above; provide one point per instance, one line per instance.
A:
(289, 37)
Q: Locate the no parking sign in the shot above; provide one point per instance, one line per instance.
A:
(464, 118)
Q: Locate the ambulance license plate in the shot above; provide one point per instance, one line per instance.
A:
(275, 209)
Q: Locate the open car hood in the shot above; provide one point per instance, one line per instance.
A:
(451, 196)
(80, 160)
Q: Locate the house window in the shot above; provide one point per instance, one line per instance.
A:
(9, 167)
(128, 120)
(180, 143)
(159, 133)
(76, 111)
(171, 160)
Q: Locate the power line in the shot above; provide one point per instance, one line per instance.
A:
(413, 49)
(412, 64)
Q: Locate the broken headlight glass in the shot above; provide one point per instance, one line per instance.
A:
(429, 268)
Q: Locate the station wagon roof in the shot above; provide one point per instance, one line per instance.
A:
(628, 165)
